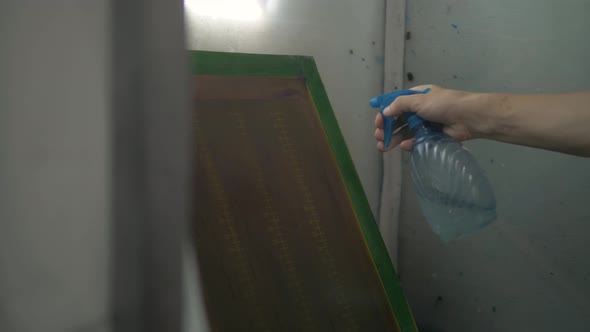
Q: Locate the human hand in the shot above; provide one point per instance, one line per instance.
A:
(453, 109)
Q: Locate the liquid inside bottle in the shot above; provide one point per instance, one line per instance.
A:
(454, 193)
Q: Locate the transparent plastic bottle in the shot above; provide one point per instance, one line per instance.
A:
(454, 193)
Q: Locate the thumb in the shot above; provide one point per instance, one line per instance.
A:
(424, 87)
(402, 104)
(407, 103)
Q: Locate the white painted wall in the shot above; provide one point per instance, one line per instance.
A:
(57, 133)
(327, 30)
(530, 271)
(54, 134)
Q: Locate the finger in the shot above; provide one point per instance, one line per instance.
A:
(407, 145)
(382, 149)
(400, 105)
(379, 134)
(407, 103)
(379, 121)
(423, 87)
(400, 134)
(395, 140)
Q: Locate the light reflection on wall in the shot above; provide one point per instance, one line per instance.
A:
(247, 10)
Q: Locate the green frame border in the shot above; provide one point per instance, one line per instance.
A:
(218, 63)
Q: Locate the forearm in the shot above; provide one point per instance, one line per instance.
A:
(558, 122)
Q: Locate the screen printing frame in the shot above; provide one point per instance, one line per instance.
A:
(240, 64)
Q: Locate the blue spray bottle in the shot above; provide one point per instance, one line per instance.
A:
(455, 195)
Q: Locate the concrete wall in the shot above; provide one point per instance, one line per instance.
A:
(344, 37)
(530, 270)
(54, 207)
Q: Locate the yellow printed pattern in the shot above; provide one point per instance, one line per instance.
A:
(274, 226)
(239, 262)
(280, 124)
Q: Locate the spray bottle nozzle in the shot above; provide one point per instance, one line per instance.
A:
(385, 100)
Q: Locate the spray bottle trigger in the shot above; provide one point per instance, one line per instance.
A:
(385, 100)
